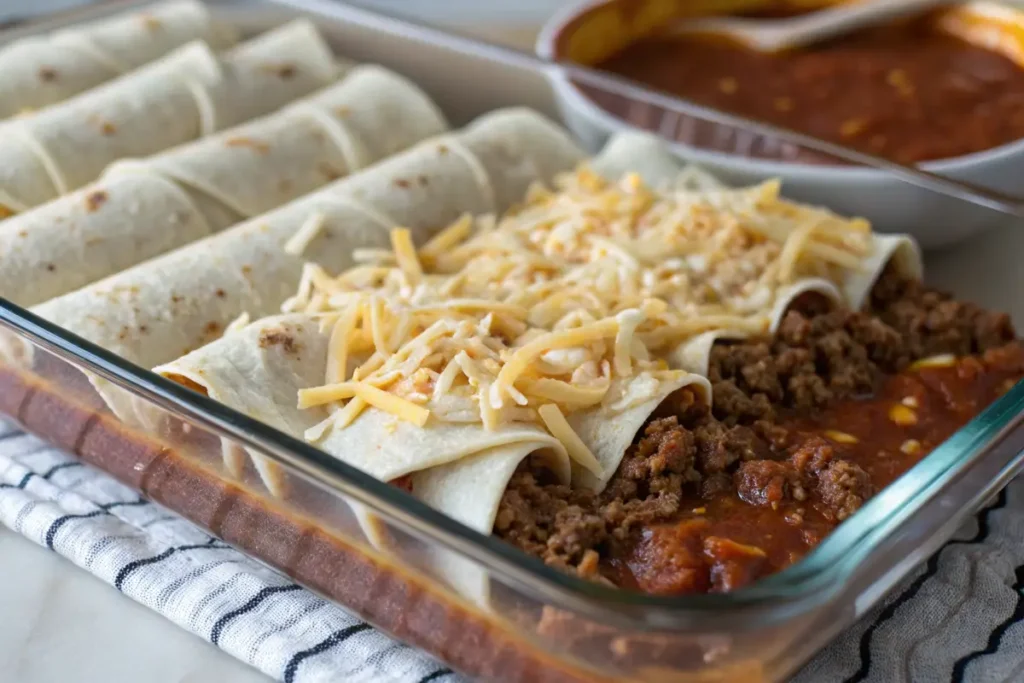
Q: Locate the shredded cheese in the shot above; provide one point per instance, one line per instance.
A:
(399, 407)
(521, 359)
(563, 431)
(405, 252)
(538, 314)
(306, 234)
(238, 323)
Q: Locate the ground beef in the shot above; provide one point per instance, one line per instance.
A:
(766, 483)
(815, 358)
(843, 487)
(721, 446)
(662, 461)
(932, 322)
(560, 525)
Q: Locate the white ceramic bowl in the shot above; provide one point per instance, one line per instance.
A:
(892, 205)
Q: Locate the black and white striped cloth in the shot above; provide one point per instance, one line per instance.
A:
(958, 618)
(194, 580)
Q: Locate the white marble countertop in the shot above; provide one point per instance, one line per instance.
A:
(61, 624)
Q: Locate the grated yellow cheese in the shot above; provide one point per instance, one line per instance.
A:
(529, 316)
(338, 346)
(451, 236)
(522, 357)
(563, 431)
(405, 254)
(397, 406)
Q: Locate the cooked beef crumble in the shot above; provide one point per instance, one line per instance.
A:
(816, 358)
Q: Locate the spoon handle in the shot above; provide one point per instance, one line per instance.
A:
(771, 35)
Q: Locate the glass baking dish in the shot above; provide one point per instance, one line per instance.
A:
(527, 622)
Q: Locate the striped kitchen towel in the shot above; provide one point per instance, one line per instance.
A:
(194, 580)
(958, 618)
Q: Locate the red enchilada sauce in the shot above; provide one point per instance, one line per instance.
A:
(905, 91)
(805, 428)
(827, 466)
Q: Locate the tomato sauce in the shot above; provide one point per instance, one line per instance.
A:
(905, 91)
(723, 542)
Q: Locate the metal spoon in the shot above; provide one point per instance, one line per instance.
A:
(773, 35)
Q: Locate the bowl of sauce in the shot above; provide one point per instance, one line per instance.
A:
(944, 91)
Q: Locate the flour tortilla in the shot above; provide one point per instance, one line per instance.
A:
(649, 155)
(899, 250)
(370, 115)
(460, 469)
(609, 434)
(260, 369)
(103, 228)
(165, 308)
(150, 207)
(38, 71)
(183, 96)
(694, 355)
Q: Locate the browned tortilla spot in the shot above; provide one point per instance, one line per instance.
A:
(47, 74)
(258, 145)
(278, 337)
(330, 172)
(402, 183)
(284, 71)
(94, 200)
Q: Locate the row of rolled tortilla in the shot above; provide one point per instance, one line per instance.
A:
(143, 208)
(187, 94)
(41, 70)
(166, 307)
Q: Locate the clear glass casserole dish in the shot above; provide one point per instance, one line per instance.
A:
(539, 624)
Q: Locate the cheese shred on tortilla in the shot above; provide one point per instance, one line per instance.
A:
(574, 300)
(304, 236)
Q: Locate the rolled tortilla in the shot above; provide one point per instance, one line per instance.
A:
(462, 470)
(42, 70)
(609, 434)
(694, 355)
(648, 156)
(142, 209)
(899, 250)
(185, 95)
(167, 307)
(634, 150)
(260, 369)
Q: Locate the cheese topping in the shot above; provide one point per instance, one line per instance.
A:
(571, 301)
(304, 236)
